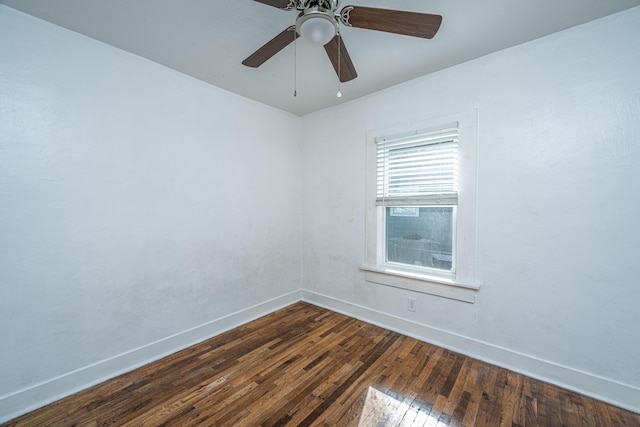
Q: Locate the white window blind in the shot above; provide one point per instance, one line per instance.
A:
(421, 168)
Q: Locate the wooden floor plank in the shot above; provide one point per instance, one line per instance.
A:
(307, 366)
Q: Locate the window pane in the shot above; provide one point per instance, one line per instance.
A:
(420, 236)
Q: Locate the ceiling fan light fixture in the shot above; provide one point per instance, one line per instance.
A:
(317, 26)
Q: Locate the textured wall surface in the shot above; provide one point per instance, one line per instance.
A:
(557, 207)
(135, 203)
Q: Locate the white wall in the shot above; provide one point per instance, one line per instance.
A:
(558, 208)
(136, 203)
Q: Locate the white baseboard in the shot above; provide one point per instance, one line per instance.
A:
(36, 396)
(604, 389)
(607, 390)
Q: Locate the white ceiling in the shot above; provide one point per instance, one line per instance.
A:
(208, 39)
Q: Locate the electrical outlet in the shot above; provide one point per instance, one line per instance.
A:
(411, 304)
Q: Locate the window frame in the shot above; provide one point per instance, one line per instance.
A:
(459, 283)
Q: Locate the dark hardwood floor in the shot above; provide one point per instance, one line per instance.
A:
(304, 365)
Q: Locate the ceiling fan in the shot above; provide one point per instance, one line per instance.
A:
(318, 21)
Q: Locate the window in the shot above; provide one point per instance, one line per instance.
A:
(421, 208)
(417, 195)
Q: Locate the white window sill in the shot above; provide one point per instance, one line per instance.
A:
(418, 282)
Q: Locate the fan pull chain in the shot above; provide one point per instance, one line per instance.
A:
(295, 64)
(339, 94)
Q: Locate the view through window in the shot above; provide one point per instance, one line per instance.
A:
(420, 236)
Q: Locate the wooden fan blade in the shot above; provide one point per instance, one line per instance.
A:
(272, 47)
(392, 21)
(347, 70)
(280, 4)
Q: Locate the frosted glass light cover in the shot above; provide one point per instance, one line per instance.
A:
(318, 30)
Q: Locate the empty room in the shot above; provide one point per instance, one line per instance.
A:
(314, 212)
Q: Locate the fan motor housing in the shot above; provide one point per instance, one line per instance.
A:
(327, 5)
